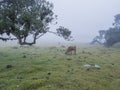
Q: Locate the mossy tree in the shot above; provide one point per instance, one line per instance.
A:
(20, 19)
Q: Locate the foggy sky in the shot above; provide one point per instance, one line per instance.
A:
(84, 17)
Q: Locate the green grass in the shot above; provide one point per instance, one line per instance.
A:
(48, 68)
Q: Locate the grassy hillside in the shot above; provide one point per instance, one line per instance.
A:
(48, 68)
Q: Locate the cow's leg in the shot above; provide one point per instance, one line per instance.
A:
(67, 51)
(75, 51)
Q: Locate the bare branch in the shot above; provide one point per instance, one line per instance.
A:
(5, 39)
(40, 35)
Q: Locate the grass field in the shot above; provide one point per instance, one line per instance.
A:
(48, 68)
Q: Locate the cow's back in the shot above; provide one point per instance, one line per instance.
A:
(70, 49)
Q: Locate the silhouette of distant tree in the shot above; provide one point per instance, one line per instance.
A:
(112, 35)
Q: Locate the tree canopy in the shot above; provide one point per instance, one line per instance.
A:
(20, 19)
(112, 35)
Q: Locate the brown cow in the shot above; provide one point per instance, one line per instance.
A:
(70, 49)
